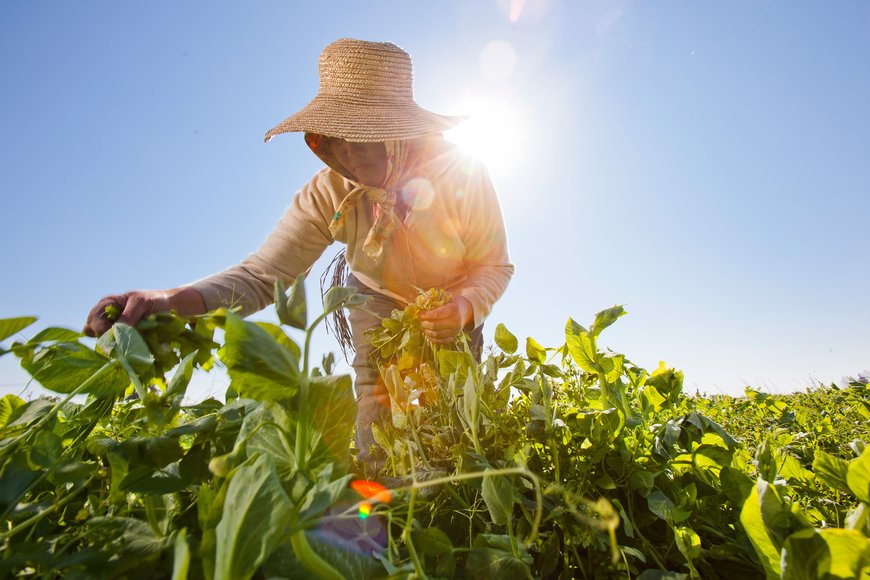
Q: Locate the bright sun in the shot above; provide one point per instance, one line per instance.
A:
(492, 133)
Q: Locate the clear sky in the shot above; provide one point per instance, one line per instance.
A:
(705, 164)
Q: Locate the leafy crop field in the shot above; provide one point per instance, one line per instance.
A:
(564, 462)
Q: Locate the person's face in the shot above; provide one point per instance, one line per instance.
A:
(366, 161)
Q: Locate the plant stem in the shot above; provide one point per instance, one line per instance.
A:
(406, 537)
(302, 427)
(310, 559)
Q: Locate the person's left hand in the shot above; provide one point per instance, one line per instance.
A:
(442, 325)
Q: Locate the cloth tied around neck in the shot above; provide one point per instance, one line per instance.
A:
(383, 201)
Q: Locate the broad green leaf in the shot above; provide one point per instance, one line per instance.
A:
(345, 556)
(270, 431)
(279, 335)
(612, 366)
(157, 451)
(333, 416)
(9, 326)
(688, 543)
(604, 319)
(256, 517)
(291, 309)
(708, 461)
(16, 477)
(66, 366)
(581, 346)
(325, 493)
(180, 556)
(793, 472)
(451, 362)
(858, 477)
(858, 519)
(642, 481)
(549, 555)
(30, 411)
(151, 481)
(260, 368)
(126, 343)
(667, 381)
(750, 518)
(505, 340)
(661, 505)
(71, 471)
(779, 520)
(432, 542)
(535, 352)
(498, 494)
(736, 485)
(831, 470)
(765, 462)
(805, 556)
(850, 552)
(129, 537)
(55, 335)
(181, 378)
(490, 563)
(45, 449)
(8, 404)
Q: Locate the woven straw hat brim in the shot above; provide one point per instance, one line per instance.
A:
(364, 123)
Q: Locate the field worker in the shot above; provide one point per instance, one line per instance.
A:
(413, 211)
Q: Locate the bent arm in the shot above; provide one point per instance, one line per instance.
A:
(486, 248)
(133, 306)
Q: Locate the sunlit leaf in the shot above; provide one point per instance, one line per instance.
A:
(8, 404)
(805, 556)
(10, 326)
(581, 346)
(505, 340)
(333, 415)
(850, 552)
(498, 494)
(66, 366)
(258, 365)
(753, 523)
(604, 319)
(535, 352)
(858, 477)
(292, 308)
(54, 335)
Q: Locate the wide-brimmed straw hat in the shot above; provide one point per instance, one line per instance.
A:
(365, 95)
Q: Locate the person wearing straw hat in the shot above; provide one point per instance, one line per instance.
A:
(413, 211)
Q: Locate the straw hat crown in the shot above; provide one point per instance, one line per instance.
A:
(365, 95)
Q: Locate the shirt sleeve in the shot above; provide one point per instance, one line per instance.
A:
(299, 239)
(486, 247)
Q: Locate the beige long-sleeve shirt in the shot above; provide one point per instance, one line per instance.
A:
(453, 238)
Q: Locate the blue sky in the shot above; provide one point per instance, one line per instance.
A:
(706, 166)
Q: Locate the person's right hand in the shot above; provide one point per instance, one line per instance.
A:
(131, 306)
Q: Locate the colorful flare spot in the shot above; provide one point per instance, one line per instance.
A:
(371, 490)
(365, 508)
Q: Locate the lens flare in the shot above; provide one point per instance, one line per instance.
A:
(371, 490)
(493, 133)
(365, 508)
